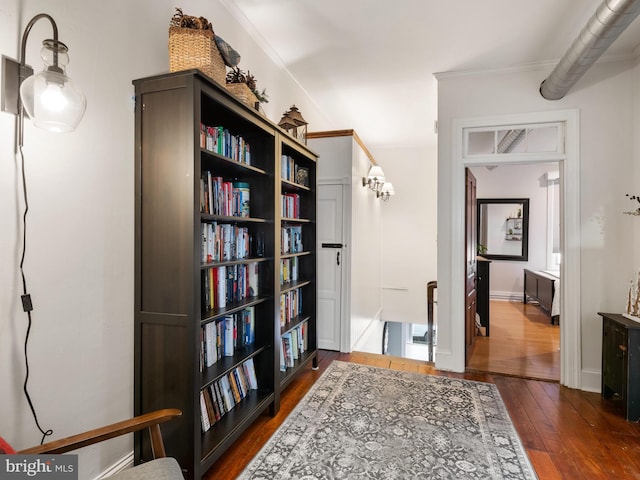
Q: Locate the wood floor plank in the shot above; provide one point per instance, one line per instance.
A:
(516, 400)
(543, 465)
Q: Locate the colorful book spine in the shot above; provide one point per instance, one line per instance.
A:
(221, 141)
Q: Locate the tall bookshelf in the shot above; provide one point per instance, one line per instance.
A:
(208, 256)
(296, 331)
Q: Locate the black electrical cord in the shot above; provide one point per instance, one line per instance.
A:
(27, 306)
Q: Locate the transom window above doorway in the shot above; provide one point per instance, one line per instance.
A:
(514, 139)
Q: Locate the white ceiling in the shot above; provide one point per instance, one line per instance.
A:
(369, 64)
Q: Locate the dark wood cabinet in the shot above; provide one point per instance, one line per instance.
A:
(621, 362)
(483, 290)
(173, 279)
(541, 288)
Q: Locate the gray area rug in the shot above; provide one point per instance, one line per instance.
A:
(362, 422)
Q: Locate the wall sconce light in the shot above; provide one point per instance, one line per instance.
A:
(374, 179)
(386, 191)
(53, 103)
(50, 98)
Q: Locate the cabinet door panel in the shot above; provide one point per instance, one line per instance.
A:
(531, 285)
(614, 370)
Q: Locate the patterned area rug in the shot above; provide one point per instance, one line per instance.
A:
(362, 422)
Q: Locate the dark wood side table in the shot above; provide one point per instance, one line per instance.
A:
(621, 361)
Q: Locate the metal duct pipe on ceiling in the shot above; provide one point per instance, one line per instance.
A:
(604, 27)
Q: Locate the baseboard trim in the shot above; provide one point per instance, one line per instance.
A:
(445, 360)
(122, 464)
(591, 381)
(506, 296)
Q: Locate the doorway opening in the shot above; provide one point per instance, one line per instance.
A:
(451, 267)
(521, 335)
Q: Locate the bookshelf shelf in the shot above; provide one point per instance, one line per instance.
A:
(290, 373)
(294, 186)
(209, 315)
(225, 164)
(232, 220)
(231, 426)
(297, 254)
(293, 285)
(207, 171)
(236, 262)
(293, 323)
(224, 365)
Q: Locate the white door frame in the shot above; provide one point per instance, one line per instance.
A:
(570, 309)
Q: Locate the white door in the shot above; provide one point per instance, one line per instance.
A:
(330, 253)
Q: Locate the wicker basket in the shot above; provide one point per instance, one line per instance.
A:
(242, 92)
(191, 48)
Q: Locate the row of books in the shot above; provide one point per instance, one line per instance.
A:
(223, 242)
(288, 270)
(223, 337)
(292, 345)
(220, 197)
(291, 239)
(290, 306)
(290, 205)
(292, 172)
(225, 393)
(229, 284)
(219, 140)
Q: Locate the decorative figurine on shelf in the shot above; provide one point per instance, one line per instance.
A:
(633, 297)
(635, 212)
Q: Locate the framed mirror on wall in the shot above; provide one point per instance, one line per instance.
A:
(503, 228)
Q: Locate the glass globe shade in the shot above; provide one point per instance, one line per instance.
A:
(50, 98)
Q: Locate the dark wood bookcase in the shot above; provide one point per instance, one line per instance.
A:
(171, 273)
(305, 283)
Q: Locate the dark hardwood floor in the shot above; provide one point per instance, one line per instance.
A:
(567, 433)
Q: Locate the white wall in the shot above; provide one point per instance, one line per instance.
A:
(410, 231)
(79, 263)
(606, 98)
(366, 248)
(517, 181)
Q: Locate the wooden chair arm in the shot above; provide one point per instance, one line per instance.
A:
(149, 420)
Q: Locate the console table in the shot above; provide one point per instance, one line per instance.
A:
(621, 362)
